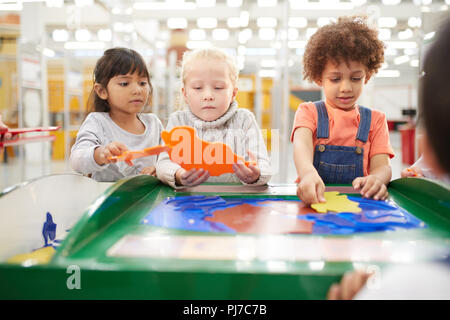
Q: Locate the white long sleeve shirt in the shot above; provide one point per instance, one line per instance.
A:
(237, 128)
(98, 129)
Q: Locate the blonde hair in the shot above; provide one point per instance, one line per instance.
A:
(210, 53)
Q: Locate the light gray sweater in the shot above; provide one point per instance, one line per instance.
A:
(237, 128)
(99, 130)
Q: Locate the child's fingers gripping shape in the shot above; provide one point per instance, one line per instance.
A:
(151, 171)
(192, 176)
(358, 183)
(202, 178)
(307, 193)
(382, 193)
(320, 191)
(117, 148)
(371, 186)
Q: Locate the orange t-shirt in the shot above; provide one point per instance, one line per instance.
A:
(343, 127)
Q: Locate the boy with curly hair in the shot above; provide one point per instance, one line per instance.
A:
(337, 141)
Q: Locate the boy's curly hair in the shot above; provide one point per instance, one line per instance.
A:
(348, 39)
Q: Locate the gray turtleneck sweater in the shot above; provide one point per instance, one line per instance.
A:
(237, 128)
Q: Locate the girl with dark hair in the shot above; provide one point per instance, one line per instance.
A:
(115, 122)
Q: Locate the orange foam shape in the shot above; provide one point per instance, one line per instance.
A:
(127, 156)
(190, 152)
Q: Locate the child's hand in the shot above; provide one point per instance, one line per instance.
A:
(151, 171)
(371, 187)
(101, 154)
(412, 172)
(246, 174)
(311, 188)
(350, 285)
(190, 178)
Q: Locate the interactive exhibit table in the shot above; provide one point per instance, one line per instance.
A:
(140, 239)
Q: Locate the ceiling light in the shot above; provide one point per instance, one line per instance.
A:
(244, 17)
(391, 2)
(414, 63)
(384, 34)
(411, 52)
(268, 63)
(414, 22)
(266, 33)
(179, 5)
(401, 44)
(245, 35)
(297, 44)
(297, 22)
(406, 34)
(205, 3)
(234, 3)
(60, 35)
(104, 35)
(331, 5)
(233, 22)
(267, 73)
(388, 74)
(54, 3)
(48, 52)
(177, 23)
(310, 32)
(358, 2)
(292, 34)
(387, 22)
(11, 6)
(91, 45)
(428, 36)
(197, 34)
(82, 35)
(322, 21)
(83, 3)
(266, 22)
(267, 3)
(220, 34)
(401, 59)
(390, 52)
(198, 44)
(207, 23)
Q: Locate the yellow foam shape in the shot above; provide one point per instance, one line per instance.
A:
(39, 256)
(337, 203)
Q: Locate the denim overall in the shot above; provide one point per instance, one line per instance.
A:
(340, 164)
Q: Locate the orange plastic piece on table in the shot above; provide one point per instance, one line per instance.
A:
(190, 152)
(127, 156)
